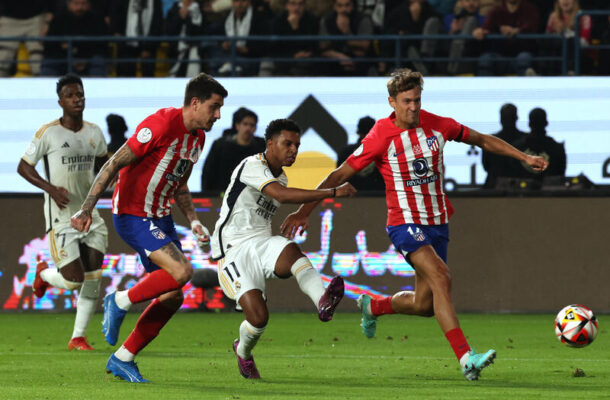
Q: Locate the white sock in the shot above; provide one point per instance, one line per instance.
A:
(88, 294)
(124, 355)
(122, 300)
(308, 279)
(54, 277)
(85, 308)
(248, 336)
(464, 359)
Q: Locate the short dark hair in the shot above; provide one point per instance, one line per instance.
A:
(243, 112)
(67, 80)
(203, 86)
(276, 126)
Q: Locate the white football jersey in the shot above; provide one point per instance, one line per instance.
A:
(246, 211)
(69, 158)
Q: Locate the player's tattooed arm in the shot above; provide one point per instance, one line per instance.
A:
(183, 197)
(122, 158)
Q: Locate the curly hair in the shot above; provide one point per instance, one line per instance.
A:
(403, 80)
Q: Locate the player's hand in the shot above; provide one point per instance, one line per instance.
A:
(293, 224)
(61, 196)
(81, 221)
(345, 190)
(202, 234)
(537, 163)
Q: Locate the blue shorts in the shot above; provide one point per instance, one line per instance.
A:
(146, 235)
(409, 237)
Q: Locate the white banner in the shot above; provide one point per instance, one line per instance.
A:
(577, 111)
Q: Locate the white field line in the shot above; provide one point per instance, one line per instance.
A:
(308, 356)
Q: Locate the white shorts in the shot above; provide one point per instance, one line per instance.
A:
(64, 242)
(249, 265)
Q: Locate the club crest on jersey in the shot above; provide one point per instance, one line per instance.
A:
(144, 135)
(92, 143)
(432, 143)
(420, 167)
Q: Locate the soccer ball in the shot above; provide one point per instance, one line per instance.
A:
(576, 326)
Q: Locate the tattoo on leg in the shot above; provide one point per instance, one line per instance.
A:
(173, 252)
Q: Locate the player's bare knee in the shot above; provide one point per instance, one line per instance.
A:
(258, 318)
(184, 273)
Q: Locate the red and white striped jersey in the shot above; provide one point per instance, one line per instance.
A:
(165, 149)
(411, 163)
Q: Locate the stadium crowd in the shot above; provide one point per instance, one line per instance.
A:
(471, 51)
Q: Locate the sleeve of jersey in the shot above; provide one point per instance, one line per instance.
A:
(35, 150)
(102, 147)
(370, 149)
(453, 130)
(257, 174)
(147, 137)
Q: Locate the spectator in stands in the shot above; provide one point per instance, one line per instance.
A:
(443, 7)
(375, 10)
(369, 178)
(185, 18)
(497, 166)
(561, 22)
(23, 18)
(463, 22)
(509, 19)
(129, 18)
(488, 5)
(227, 152)
(345, 20)
(295, 20)
(116, 129)
(243, 20)
(537, 143)
(89, 57)
(414, 17)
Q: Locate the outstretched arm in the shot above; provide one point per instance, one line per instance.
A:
(122, 158)
(298, 219)
(58, 194)
(498, 146)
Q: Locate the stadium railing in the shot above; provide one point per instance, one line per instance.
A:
(398, 58)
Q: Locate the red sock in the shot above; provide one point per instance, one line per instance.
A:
(148, 326)
(458, 342)
(382, 306)
(153, 286)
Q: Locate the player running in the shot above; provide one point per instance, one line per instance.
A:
(155, 164)
(71, 149)
(407, 148)
(249, 254)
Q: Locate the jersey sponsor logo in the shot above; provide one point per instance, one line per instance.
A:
(31, 150)
(417, 182)
(358, 151)
(179, 170)
(432, 143)
(266, 207)
(144, 135)
(420, 167)
(65, 145)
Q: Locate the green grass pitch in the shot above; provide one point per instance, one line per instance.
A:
(302, 358)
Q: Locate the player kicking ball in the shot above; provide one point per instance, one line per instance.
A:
(407, 148)
(248, 254)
